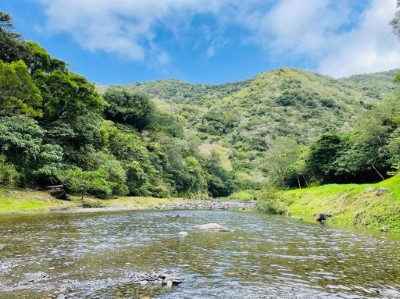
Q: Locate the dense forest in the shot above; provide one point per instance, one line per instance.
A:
(285, 128)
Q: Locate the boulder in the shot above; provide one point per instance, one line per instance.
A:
(323, 217)
(212, 227)
(384, 229)
(369, 189)
(183, 234)
(59, 193)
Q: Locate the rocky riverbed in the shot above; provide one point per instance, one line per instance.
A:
(212, 204)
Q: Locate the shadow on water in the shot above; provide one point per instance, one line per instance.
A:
(101, 255)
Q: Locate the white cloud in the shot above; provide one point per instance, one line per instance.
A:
(121, 27)
(369, 48)
(334, 36)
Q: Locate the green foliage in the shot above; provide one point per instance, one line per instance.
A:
(12, 47)
(396, 22)
(39, 59)
(322, 155)
(282, 153)
(82, 182)
(270, 202)
(243, 195)
(21, 141)
(67, 96)
(18, 94)
(220, 181)
(8, 175)
(127, 107)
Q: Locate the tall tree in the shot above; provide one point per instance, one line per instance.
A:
(18, 93)
(12, 47)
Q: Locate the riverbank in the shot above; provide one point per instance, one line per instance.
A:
(32, 201)
(374, 206)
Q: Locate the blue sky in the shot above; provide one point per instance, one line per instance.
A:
(210, 41)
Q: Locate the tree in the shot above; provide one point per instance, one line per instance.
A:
(128, 107)
(322, 155)
(12, 47)
(220, 181)
(39, 60)
(67, 96)
(281, 154)
(21, 142)
(396, 22)
(18, 93)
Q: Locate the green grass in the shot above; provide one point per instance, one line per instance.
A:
(349, 204)
(41, 201)
(243, 195)
(138, 202)
(28, 200)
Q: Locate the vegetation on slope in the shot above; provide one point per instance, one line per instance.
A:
(55, 128)
(369, 205)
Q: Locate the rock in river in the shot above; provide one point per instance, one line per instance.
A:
(212, 227)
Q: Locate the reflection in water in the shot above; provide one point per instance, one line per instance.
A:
(97, 256)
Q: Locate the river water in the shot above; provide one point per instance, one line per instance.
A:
(96, 255)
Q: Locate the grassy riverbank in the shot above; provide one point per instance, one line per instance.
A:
(40, 201)
(370, 205)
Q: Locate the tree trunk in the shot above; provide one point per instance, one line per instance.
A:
(298, 181)
(305, 180)
(377, 171)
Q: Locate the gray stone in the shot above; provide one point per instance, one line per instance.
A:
(183, 234)
(212, 227)
(369, 189)
(381, 190)
(323, 217)
(384, 229)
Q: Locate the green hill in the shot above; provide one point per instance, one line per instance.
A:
(241, 120)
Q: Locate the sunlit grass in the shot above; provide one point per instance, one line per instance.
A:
(24, 200)
(349, 204)
(41, 201)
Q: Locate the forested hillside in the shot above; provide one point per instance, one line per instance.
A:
(262, 126)
(285, 128)
(56, 129)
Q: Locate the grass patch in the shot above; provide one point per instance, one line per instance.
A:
(28, 200)
(364, 205)
(138, 202)
(243, 195)
(42, 201)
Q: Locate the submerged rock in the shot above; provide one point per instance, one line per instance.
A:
(212, 227)
(183, 234)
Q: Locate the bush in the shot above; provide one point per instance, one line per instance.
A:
(8, 175)
(243, 195)
(83, 183)
(270, 202)
(92, 203)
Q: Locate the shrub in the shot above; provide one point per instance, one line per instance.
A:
(270, 202)
(82, 182)
(8, 175)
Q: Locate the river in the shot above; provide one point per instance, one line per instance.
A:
(97, 255)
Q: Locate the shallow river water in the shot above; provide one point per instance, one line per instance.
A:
(96, 255)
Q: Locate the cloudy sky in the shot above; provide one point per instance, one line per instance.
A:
(210, 41)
